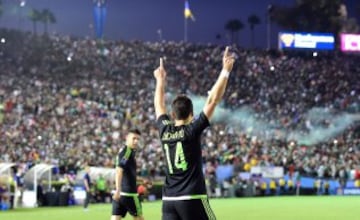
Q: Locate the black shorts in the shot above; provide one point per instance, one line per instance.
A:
(126, 204)
(198, 209)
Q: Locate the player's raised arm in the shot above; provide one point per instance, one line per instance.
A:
(159, 97)
(217, 91)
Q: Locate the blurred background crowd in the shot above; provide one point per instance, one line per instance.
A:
(69, 102)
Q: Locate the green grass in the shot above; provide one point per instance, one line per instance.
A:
(276, 208)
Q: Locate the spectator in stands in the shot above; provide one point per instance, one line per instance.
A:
(326, 188)
(3, 191)
(290, 187)
(282, 184)
(263, 187)
(273, 187)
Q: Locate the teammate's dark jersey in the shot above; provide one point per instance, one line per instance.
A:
(182, 149)
(126, 160)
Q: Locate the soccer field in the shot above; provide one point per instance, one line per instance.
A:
(276, 208)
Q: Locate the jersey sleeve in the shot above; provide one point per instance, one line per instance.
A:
(200, 123)
(162, 122)
(123, 158)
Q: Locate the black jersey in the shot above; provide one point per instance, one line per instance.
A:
(126, 160)
(182, 150)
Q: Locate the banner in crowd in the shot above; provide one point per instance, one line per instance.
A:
(350, 42)
(318, 41)
(99, 17)
(351, 191)
(268, 172)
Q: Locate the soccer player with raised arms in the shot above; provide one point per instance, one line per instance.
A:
(184, 192)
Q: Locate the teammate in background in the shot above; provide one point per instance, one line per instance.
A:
(184, 191)
(87, 186)
(125, 198)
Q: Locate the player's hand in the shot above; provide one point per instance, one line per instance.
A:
(116, 195)
(160, 72)
(228, 60)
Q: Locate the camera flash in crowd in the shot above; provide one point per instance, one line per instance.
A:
(315, 54)
(3, 40)
(69, 57)
(272, 68)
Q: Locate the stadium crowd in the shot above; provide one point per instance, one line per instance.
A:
(69, 102)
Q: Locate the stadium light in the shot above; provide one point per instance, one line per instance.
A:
(22, 3)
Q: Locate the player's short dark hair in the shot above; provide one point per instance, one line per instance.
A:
(182, 107)
(135, 131)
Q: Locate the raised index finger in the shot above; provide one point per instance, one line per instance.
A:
(161, 62)
(226, 53)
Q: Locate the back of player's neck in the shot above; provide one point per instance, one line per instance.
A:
(183, 122)
(180, 122)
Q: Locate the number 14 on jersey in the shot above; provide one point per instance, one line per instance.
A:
(179, 159)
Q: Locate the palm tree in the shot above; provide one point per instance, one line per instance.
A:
(234, 26)
(253, 20)
(35, 16)
(47, 17)
(309, 16)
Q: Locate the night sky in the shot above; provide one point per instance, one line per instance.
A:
(140, 19)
